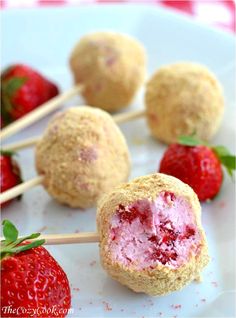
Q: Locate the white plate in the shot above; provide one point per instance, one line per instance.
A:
(44, 38)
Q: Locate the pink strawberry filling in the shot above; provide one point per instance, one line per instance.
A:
(147, 233)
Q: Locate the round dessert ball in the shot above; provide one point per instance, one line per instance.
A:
(151, 237)
(183, 99)
(111, 67)
(82, 155)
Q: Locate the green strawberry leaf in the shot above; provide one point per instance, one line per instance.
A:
(11, 244)
(11, 86)
(6, 108)
(8, 153)
(190, 141)
(229, 162)
(221, 151)
(22, 239)
(23, 248)
(9, 231)
(226, 158)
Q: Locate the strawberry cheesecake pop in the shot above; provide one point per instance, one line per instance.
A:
(150, 234)
(183, 99)
(111, 68)
(82, 155)
(151, 237)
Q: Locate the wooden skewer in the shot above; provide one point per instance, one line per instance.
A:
(70, 238)
(19, 189)
(27, 143)
(39, 112)
(119, 118)
(124, 117)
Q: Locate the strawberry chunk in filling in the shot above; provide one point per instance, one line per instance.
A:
(147, 233)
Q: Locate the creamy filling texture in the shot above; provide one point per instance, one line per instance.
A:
(147, 233)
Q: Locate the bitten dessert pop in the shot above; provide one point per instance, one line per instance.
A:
(150, 234)
(151, 237)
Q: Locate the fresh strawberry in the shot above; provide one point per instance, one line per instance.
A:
(198, 164)
(10, 174)
(32, 283)
(22, 90)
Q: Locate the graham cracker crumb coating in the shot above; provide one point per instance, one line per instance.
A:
(183, 99)
(161, 280)
(82, 155)
(111, 67)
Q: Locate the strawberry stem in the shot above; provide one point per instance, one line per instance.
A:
(11, 244)
(8, 153)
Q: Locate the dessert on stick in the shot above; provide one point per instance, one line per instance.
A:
(183, 99)
(150, 234)
(151, 237)
(82, 155)
(111, 67)
(108, 69)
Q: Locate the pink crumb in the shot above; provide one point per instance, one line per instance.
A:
(88, 154)
(214, 284)
(178, 306)
(76, 289)
(111, 60)
(98, 87)
(81, 186)
(107, 306)
(222, 204)
(153, 117)
(92, 263)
